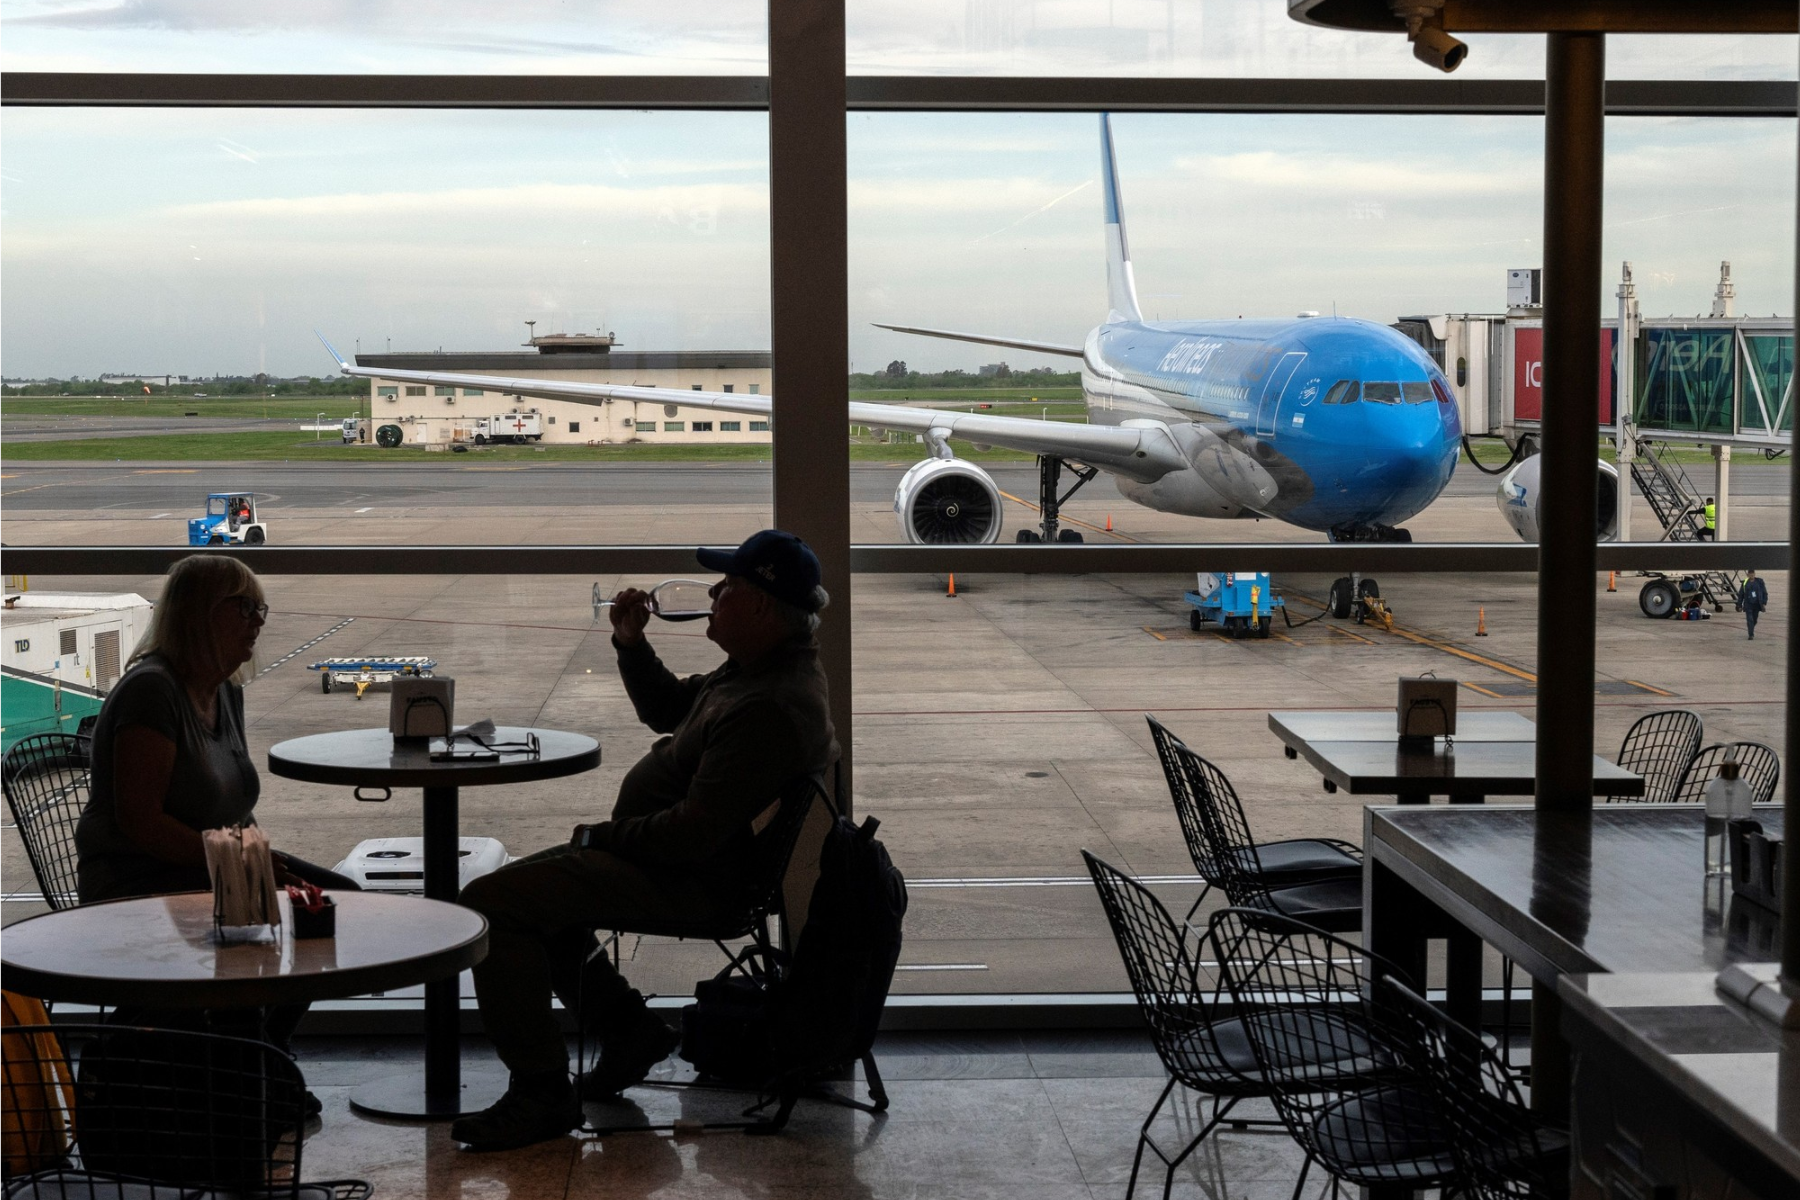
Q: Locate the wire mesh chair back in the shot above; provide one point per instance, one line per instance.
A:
(1659, 747)
(1330, 1057)
(1501, 1152)
(1758, 766)
(152, 1114)
(46, 783)
(772, 847)
(1226, 830)
(1187, 806)
(1163, 966)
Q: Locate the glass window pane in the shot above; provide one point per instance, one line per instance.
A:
(463, 37)
(585, 248)
(1773, 357)
(1230, 38)
(1687, 379)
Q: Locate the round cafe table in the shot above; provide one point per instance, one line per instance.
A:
(370, 758)
(162, 951)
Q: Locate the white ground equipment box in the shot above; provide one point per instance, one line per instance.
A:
(398, 864)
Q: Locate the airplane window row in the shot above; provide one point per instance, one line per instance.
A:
(1344, 391)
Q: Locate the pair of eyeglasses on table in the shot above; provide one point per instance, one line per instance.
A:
(472, 747)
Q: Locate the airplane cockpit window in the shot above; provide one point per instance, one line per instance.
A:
(1417, 393)
(1342, 392)
(1381, 393)
(1443, 393)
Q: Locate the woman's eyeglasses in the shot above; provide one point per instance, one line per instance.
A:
(250, 608)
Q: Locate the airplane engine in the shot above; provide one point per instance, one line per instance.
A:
(1520, 493)
(945, 501)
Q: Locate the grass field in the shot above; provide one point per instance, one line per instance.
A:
(280, 408)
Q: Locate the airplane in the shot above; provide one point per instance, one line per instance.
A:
(1335, 425)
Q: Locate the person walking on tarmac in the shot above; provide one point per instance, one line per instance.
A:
(1709, 526)
(1753, 599)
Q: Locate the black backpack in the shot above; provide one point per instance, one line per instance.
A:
(785, 1027)
(827, 1010)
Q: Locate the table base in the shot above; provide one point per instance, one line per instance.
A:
(404, 1096)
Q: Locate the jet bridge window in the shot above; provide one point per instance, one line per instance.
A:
(1381, 393)
(1342, 392)
(1417, 393)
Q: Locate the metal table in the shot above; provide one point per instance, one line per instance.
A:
(370, 758)
(1622, 890)
(1494, 754)
(161, 951)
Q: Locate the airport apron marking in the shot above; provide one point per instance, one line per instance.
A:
(302, 649)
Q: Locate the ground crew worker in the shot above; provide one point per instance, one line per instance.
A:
(1753, 599)
(1710, 515)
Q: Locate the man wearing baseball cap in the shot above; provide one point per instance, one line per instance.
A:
(676, 845)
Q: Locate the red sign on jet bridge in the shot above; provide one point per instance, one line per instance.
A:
(1528, 373)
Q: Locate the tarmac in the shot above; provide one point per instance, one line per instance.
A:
(998, 733)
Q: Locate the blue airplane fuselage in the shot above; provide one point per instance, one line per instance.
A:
(1328, 423)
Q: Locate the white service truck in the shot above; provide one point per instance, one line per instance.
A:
(514, 426)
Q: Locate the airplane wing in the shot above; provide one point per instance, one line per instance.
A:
(1144, 451)
(985, 340)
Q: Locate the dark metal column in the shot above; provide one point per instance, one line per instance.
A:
(1790, 846)
(1574, 144)
(809, 310)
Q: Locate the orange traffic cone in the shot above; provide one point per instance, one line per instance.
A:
(1481, 622)
(1109, 522)
(1612, 581)
(951, 593)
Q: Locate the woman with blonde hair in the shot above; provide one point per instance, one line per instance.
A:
(169, 752)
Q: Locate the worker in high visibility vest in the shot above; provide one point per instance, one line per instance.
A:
(1710, 521)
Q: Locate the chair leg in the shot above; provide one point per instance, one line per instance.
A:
(1301, 1182)
(1212, 1124)
(1144, 1136)
(1198, 900)
(878, 1097)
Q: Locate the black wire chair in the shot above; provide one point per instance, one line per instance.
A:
(119, 1112)
(1659, 747)
(1502, 1151)
(1337, 1074)
(45, 778)
(1281, 864)
(1201, 1049)
(1333, 902)
(1758, 765)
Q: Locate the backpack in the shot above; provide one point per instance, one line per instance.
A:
(785, 1024)
(40, 1102)
(827, 1009)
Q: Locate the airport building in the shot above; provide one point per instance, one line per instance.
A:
(443, 416)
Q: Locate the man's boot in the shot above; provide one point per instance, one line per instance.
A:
(632, 1040)
(534, 1109)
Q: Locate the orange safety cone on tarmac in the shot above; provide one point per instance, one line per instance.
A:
(1481, 622)
(1109, 522)
(951, 593)
(1612, 581)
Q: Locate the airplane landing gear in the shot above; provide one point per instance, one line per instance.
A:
(1370, 533)
(1050, 504)
(1353, 596)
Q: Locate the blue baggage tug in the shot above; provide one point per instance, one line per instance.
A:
(231, 520)
(1239, 602)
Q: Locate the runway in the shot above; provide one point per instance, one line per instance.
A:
(138, 487)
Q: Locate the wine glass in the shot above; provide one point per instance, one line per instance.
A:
(672, 600)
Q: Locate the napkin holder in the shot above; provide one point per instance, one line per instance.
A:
(1426, 709)
(421, 709)
(310, 924)
(242, 871)
(1755, 864)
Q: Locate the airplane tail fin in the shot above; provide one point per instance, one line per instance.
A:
(1121, 287)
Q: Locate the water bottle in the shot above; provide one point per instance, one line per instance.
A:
(1727, 799)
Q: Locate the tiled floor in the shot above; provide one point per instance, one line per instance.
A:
(1035, 1116)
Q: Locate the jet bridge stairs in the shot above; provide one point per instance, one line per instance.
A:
(1681, 510)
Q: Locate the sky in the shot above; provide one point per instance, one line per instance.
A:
(202, 242)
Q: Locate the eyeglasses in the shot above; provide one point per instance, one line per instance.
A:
(249, 608)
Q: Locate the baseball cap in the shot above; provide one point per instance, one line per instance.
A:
(775, 561)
